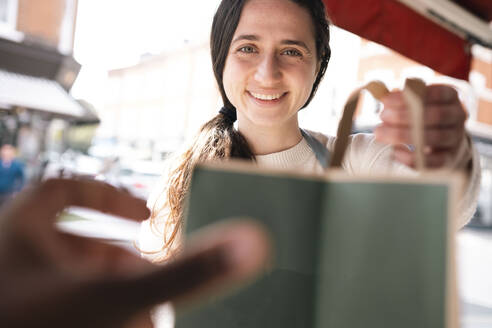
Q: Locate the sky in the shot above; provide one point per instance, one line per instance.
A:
(115, 33)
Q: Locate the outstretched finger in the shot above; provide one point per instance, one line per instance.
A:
(45, 201)
(86, 258)
(216, 258)
(29, 218)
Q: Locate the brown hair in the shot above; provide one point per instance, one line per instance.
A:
(218, 139)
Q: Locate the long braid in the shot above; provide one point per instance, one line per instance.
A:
(217, 139)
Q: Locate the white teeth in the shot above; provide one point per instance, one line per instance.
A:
(266, 97)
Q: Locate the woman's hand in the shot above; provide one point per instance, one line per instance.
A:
(444, 121)
(53, 279)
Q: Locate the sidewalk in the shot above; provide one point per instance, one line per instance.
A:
(474, 261)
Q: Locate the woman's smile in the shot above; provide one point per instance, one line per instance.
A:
(267, 99)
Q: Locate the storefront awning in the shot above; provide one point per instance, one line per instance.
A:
(38, 94)
(436, 33)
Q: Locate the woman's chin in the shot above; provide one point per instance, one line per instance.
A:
(268, 121)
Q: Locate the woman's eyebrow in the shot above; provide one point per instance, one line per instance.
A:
(250, 37)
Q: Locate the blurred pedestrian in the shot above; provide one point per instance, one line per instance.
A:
(11, 173)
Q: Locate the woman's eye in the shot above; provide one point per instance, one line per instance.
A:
(293, 52)
(247, 49)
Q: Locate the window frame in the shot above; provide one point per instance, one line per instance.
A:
(8, 29)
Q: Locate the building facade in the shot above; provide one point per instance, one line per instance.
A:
(161, 101)
(37, 71)
(481, 79)
(380, 63)
(50, 23)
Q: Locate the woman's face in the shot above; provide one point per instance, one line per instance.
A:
(272, 63)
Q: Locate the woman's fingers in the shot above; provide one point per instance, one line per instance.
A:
(441, 94)
(433, 137)
(442, 108)
(443, 117)
(434, 159)
(435, 115)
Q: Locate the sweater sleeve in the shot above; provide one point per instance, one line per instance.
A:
(365, 155)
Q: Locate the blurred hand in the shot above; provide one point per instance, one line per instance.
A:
(52, 279)
(444, 122)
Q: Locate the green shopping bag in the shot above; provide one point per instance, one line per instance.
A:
(350, 251)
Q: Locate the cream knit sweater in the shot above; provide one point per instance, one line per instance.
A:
(363, 156)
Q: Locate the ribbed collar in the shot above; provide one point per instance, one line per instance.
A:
(289, 158)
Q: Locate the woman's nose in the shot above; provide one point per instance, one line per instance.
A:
(268, 71)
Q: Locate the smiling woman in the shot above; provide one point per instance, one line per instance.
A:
(270, 71)
(269, 57)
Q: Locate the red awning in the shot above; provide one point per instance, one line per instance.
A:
(393, 24)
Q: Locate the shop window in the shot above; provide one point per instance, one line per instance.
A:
(8, 14)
